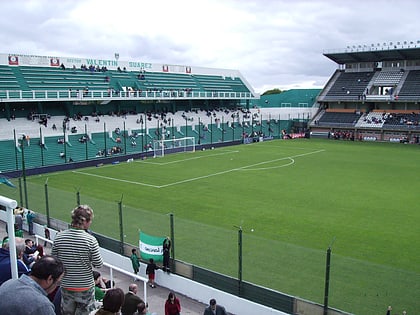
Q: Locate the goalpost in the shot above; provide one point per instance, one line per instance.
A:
(175, 145)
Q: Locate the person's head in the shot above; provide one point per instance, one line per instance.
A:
(82, 216)
(19, 242)
(133, 251)
(141, 308)
(151, 260)
(48, 272)
(29, 242)
(133, 288)
(212, 304)
(96, 276)
(171, 297)
(113, 300)
(20, 246)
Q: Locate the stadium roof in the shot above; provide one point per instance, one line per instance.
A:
(361, 54)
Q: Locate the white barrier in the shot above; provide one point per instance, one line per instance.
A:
(10, 205)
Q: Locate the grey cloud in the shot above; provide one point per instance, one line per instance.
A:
(275, 43)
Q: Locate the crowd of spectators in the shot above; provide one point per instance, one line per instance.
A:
(403, 119)
(341, 135)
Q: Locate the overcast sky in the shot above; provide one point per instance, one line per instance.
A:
(274, 44)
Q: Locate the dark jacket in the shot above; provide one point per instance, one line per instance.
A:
(130, 303)
(220, 310)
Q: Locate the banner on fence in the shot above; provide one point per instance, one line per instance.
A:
(151, 246)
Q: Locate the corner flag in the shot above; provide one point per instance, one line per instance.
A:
(151, 246)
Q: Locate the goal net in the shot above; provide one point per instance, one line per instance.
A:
(175, 145)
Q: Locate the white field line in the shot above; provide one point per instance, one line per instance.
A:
(291, 158)
(183, 160)
(201, 177)
(116, 179)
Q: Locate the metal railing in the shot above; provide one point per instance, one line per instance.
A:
(108, 95)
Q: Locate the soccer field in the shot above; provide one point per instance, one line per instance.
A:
(292, 199)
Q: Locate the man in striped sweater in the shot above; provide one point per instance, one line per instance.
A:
(79, 252)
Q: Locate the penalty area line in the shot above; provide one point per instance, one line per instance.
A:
(188, 159)
(116, 179)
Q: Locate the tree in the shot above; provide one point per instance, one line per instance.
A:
(273, 91)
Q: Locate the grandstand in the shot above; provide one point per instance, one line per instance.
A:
(27, 78)
(374, 94)
(57, 101)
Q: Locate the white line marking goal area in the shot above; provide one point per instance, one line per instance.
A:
(259, 166)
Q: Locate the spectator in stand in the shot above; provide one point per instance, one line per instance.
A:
(142, 309)
(172, 305)
(131, 300)
(100, 286)
(214, 309)
(28, 294)
(30, 216)
(135, 262)
(79, 252)
(18, 212)
(47, 235)
(32, 252)
(5, 271)
(150, 271)
(166, 254)
(112, 302)
(25, 269)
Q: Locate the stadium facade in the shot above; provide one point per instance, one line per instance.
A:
(373, 95)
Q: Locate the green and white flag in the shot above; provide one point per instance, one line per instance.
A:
(151, 246)
(4, 180)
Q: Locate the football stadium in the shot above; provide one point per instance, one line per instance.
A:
(299, 202)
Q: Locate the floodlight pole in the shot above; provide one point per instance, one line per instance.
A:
(125, 136)
(233, 128)
(172, 241)
(186, 126)
(120, 212)
(24, 172)
(16, 153)
(105, 150)
(47, 206)
(41, 146)
(223, 129)
(327, 278)
(142, 132)
(86, 143)
(20, 191)
(211, 126)
(243, 128)
(78, 197)
(199, 131)
(239, 259)
(65, 143)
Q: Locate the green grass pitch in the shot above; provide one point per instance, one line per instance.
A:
(292, 199)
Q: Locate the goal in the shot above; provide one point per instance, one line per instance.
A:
(175, 145)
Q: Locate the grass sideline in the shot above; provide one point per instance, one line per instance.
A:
(292, 198)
